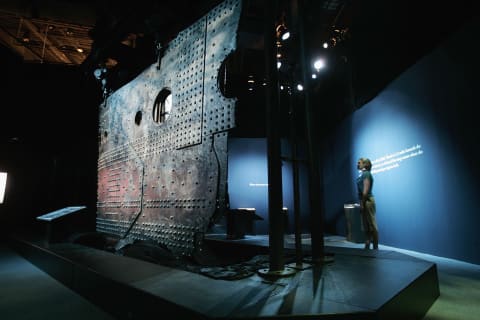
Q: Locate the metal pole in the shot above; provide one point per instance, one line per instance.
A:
(275, 201)
(314, 165)
(296, 188)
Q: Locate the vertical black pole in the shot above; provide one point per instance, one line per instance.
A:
(314, 165)
(275, 201)
(296, 180)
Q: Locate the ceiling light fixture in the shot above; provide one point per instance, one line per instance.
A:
(319, 64)
(337, 36)
(282, 32)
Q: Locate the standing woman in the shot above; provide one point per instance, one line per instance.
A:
(367, 202)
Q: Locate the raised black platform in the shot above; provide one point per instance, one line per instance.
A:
(358, 284)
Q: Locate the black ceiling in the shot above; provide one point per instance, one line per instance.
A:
(384, 38)
(384, 35)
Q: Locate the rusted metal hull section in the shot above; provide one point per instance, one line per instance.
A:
(166, 181)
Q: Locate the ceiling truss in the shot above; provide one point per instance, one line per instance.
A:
(40, 40)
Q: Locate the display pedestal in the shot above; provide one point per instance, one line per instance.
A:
(60, 223)
(240, 222)
(355, 232)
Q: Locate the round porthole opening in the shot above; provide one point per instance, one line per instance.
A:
(162, 106)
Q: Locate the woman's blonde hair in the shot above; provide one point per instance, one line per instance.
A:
(367, 163)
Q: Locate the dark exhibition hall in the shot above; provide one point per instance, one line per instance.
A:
(239, 159)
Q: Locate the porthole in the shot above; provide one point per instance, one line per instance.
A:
(162, 106)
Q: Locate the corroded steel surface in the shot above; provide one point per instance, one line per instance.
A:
(166, 181)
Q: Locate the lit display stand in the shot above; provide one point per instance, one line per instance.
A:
(60, 223)
(355, 232)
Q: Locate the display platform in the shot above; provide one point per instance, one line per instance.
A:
(356, 284)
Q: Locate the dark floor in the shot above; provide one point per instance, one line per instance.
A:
(326, 290)
(27, 292)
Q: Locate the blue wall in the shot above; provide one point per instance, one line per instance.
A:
(423, 136)
(248, 181)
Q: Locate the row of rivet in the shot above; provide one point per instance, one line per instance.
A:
(170, 238)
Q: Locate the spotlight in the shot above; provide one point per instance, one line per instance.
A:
(100, 73)
(319, 64)
(336, 36)
(299, 87)
(330, 43)
(251, 82)
(282, 32)
(26, 37)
